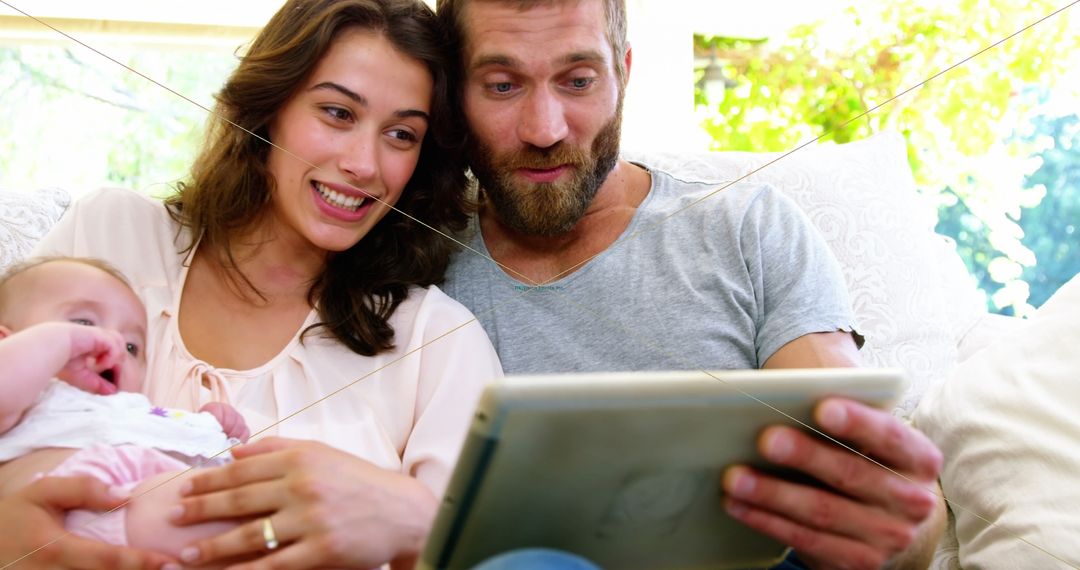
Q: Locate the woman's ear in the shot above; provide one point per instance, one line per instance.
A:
(4, 332)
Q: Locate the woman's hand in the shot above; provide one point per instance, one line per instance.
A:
(326, 507)
(31, 521)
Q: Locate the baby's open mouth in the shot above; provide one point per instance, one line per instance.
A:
(109, 375)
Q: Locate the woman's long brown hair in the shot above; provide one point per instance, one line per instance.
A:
(229, 188)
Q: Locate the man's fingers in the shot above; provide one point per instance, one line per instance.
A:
(818, 509)
(847, 472)
(880, 435)
(838, 551)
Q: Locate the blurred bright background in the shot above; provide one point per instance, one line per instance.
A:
(994, 143)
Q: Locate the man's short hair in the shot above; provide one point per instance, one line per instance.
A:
(451, 13)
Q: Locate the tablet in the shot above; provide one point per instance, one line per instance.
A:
(624, 468)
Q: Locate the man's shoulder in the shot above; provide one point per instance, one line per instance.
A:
(693, 195)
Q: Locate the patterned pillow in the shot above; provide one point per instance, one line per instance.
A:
(25, 217)
(912, 296)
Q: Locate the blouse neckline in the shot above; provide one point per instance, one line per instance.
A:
(178, 339)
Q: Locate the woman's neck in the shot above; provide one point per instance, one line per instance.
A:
(276, 264)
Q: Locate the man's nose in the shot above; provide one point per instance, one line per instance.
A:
(543, 119)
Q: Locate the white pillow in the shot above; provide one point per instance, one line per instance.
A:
(25, 217)
(912, 296)
(1008, 422)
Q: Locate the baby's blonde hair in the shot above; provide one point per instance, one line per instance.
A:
(28, 264)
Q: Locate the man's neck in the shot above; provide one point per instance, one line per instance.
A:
(537, 260)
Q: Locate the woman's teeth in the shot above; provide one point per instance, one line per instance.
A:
(351, 203)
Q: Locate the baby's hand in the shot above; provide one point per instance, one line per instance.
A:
(95, 358)
(231, 421)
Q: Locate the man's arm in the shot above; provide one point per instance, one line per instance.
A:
(868, 516)
(31, 357)
(818, 350)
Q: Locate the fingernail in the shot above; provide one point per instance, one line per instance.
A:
(833, 416)
(742, 483)
(736, 508)
(189, 554)
(118, 492)
(779, 446)
(185, 489)
(171, 566)
(175, 512)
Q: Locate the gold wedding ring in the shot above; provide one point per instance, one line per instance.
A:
(268, 534)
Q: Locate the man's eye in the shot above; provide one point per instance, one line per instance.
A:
(84, 322)
(502, 87)
(581, 82)
(132, 349)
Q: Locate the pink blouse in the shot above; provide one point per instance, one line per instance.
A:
(405, 409)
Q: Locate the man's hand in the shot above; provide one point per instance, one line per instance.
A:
(867, 515)
(31, 521)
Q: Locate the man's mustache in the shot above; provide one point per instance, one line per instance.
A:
(545, 158)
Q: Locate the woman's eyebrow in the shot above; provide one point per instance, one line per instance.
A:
(358, 98)
(363, 102)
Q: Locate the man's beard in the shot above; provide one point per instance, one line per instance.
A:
(545, 208)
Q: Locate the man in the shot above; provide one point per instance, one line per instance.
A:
(607, 265)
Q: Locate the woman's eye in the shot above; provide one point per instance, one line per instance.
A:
(403, 135)
(84, 322)
(338, 113)
(132, 349)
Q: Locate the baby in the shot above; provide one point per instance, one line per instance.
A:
(72, 361)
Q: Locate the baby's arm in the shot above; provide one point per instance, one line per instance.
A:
(231, 421)
(36, 354)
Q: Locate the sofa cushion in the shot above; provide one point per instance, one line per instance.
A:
(25, 217)
(912, 296)
(1007, 422)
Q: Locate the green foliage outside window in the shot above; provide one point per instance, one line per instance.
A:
(960, 126)
(69, 114)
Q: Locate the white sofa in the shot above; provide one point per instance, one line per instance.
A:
(915, 303)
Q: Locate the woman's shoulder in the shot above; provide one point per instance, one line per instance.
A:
(132, 231)
(428, 313)
(105, 207)
(111, 200)
(431, 302)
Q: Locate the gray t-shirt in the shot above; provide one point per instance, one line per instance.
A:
(721, 284)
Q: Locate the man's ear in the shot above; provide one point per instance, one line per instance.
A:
(4, 332)
(628, 59)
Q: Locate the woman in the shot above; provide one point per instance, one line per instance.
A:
(278, 276)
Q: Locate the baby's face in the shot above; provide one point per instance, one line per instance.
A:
(79, 293)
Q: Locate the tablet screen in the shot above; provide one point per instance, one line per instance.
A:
(624, 469)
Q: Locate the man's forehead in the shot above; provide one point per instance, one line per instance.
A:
(501, 32)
